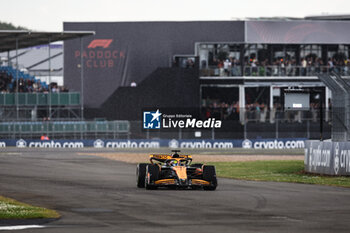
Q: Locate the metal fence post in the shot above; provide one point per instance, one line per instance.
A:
(47, 128)
(115, 128)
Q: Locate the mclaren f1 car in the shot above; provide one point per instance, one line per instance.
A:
(175, 171)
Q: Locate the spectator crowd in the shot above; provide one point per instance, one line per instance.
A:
(278, 67)
(256, 112)
(8, 84)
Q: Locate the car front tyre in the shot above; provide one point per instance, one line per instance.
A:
(152, 174)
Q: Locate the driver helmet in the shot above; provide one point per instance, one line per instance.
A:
(173, 163)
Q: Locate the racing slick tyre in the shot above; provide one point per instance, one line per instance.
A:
(209, 174)
(141, 174)
(197, 165)
(152, 174)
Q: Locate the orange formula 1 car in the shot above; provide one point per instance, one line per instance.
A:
(175, 171)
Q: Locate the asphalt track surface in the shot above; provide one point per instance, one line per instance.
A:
(94, 194)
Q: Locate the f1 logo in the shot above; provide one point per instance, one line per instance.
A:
(104, 43)
(151, 120)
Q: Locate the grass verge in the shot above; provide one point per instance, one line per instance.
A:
(278, 171)
(12, 209)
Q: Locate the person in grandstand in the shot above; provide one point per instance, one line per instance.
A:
(44, 137)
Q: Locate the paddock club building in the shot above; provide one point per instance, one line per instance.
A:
(130, 66)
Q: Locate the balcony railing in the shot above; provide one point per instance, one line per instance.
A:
(274, 71)
(64, 129)
(41, 99)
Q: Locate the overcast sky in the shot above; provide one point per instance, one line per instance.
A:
(49, 15)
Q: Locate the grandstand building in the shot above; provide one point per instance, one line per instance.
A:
(236, 71)
(202, 64)
(35, 61)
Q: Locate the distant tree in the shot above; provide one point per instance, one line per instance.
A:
(10, 26)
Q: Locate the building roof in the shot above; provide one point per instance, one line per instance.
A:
(328, 17)
(26, 39)
(297, 32)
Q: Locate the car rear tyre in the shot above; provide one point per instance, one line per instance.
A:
(152, 174)
(141, 174)
(209, 174)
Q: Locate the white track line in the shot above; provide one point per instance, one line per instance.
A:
(19, 227)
